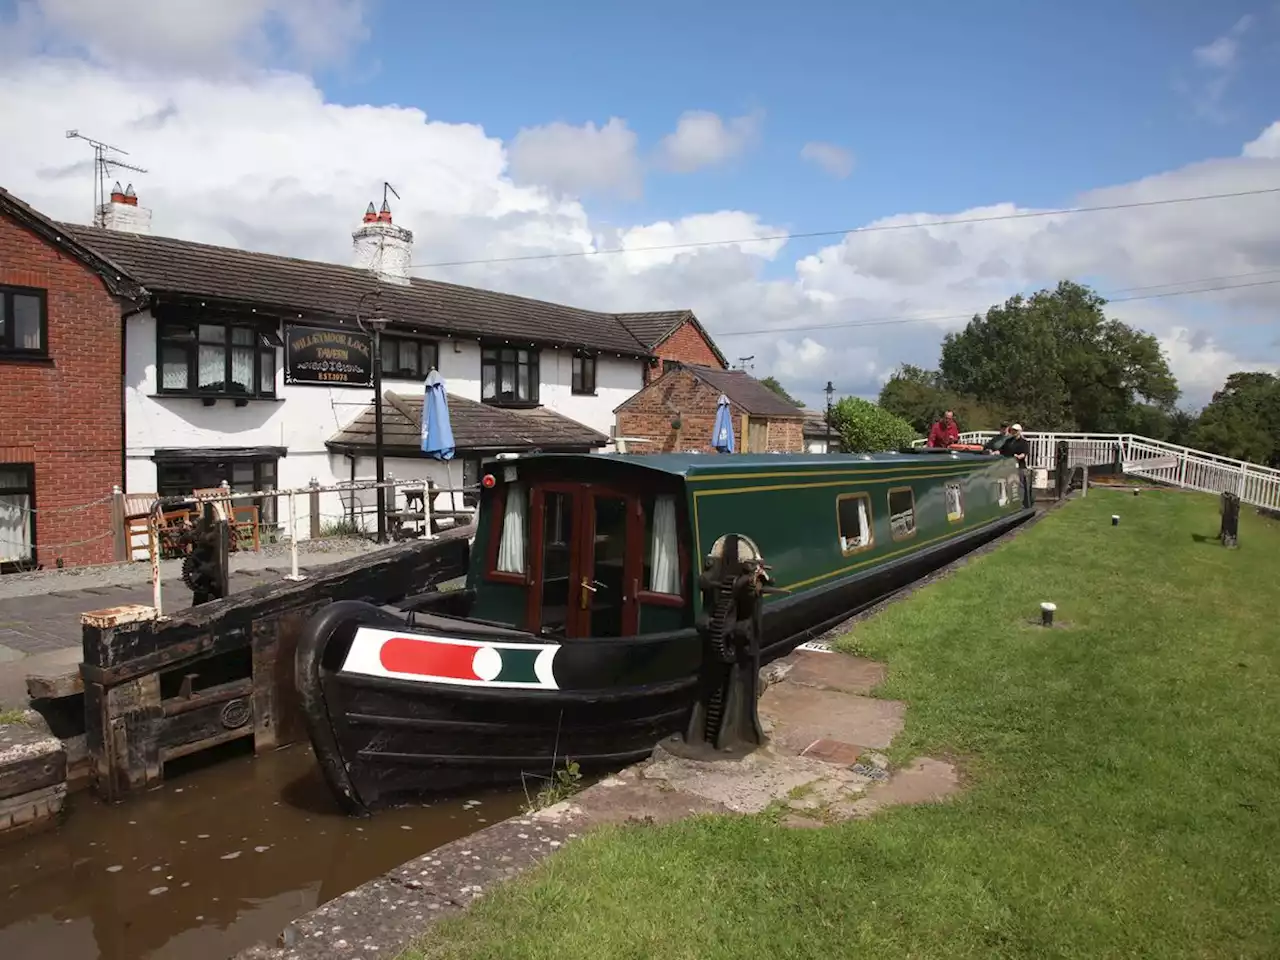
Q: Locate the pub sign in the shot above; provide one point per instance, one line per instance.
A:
(333, 358)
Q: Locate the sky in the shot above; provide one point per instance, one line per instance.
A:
(563, 129)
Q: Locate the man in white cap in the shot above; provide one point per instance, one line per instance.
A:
(1020, 449)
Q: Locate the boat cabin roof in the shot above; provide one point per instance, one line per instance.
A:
(693, 464)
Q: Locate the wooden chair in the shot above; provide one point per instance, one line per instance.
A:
(245, 528)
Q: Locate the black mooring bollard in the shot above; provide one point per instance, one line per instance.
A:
(1115, 519)
(1046, 614)
(1229, 532)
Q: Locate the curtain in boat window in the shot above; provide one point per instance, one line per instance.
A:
(664, 571)
(511, 547)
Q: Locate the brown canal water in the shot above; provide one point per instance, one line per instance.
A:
(212, 862)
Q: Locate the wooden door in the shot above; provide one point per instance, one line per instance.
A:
(585, 553)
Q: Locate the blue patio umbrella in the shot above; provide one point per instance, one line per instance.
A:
(722, 434)
(437, 432)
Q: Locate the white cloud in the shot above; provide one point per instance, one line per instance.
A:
(1267, 144)
(264, 161)
(1221, 53)
(198, 34)
(1218, 62)
(578, 160)
(1201, 364)
(702, 139)
(835, 160)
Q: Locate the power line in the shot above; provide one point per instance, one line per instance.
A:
(875, 228)
(892, 321)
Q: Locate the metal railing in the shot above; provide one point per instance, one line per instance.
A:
(1156, 460)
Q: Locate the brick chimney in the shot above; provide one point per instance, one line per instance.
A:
(381, 246)
(122, 212)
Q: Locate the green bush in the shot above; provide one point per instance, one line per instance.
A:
(867, 428)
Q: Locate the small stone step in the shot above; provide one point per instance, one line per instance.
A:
(57, 676)
(33, 773)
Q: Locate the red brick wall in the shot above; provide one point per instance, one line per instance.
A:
(64, 415)
(687, 345)
(650, 413)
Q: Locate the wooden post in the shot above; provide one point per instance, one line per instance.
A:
(119, 529)
(314, 506)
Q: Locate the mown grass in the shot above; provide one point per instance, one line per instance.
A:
(1123, 778)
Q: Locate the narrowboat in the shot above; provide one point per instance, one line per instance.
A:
(601, 591)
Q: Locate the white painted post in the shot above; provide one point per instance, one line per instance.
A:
(293, 538)
(1182, 470)
(1240, 486)
(426, 510)
(1084, 482)
(153, 532)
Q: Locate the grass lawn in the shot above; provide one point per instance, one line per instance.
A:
(1124, 796)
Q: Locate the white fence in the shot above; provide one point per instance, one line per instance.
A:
(1154, 460)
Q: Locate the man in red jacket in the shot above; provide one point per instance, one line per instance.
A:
(945, 432)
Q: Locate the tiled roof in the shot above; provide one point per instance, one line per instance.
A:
(744, 390)
(330, 290)
(476, 427)
(113, 275)
(653, 328)
(815, 423)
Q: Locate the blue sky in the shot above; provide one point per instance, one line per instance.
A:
(945, 105)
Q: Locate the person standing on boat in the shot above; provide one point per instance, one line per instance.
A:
(996, 443)
(945, 432)
(1018, 448)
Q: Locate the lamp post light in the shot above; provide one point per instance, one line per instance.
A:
(377, 324)
(829, 391)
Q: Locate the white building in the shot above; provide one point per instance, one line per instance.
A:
(250, 367)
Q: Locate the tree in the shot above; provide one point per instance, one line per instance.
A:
(773, 384)
(1243, 419)
(916, 396)
(1057, 362)
(866, 428)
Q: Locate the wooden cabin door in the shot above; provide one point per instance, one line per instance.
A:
(586, 552)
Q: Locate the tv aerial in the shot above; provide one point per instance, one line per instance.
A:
(104, 162)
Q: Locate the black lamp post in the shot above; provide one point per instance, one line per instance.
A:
(829, 391)
(377, 324)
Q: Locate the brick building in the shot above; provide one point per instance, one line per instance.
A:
(61, 409)
(677, 411)
(674, 335)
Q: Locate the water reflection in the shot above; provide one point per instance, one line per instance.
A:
(208, 864)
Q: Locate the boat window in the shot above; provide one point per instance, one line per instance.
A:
(1002, 492)
(853, 516)
(661, 546)
(902, 513)
(557, 534)
(515, 514)
(955, 502)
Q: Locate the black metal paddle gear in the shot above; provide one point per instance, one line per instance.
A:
(725, 718)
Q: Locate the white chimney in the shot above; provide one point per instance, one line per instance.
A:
(122, 212)
(382, 247)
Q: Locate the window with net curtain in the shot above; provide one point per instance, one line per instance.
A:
(216, 358)
(15, 514)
